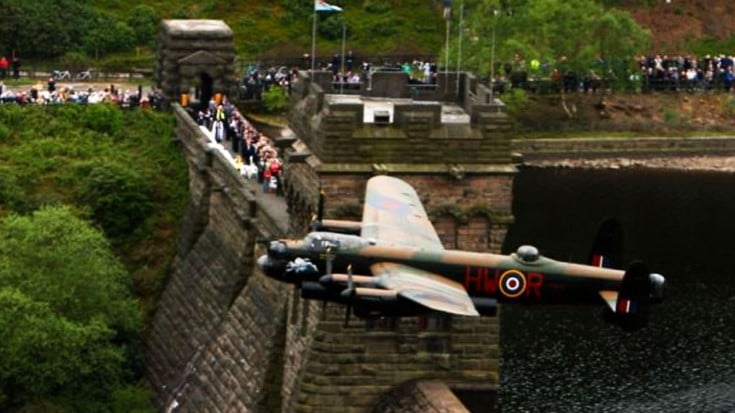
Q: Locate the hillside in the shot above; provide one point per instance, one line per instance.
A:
(276, 30)
(687, 26)
(267, 29)
(640, 114)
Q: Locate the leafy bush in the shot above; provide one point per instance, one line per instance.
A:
(4, 132)
(118, 196)
(671, 117)
(11, 192)
(275, 100)
(330, 27)
(64, 304)
(728, 106)
(102, 118)
(132, 399)
(514, 100)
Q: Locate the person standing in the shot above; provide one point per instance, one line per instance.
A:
(4, 64)
(16, 67)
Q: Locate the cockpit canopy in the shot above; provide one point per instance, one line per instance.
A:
(528, 253)
(322, 241)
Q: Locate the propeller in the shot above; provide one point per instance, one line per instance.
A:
(317, 218)
(263, 241)
(329, 257)
(349, 293)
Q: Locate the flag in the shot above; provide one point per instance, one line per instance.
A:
(321, 5)
(447, 9)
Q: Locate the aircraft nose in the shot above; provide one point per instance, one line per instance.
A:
(271, 267)
(277, 249)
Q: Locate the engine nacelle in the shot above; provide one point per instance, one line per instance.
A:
(338, 226)
(487, 307)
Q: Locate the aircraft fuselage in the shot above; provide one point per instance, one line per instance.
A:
(507, 278)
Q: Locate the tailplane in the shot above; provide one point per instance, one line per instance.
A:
(627, 307)
(608, 246)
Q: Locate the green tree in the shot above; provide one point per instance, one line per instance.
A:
(106, 34)
(581, 31)
(65, 313)
(144, 23)
(119, 196)
(44, 28)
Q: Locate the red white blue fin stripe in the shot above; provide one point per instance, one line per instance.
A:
(601, 261)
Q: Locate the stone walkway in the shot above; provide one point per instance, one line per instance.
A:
(276, 205)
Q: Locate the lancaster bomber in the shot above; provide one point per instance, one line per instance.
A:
(393, 264)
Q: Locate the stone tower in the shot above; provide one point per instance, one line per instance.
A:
(197, 58)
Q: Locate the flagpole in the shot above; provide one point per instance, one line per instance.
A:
(344, 35)
(446, 67)
(313, 40)
(459, 46)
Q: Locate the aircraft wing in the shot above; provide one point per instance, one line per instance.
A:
(430, 290)
(393, 214)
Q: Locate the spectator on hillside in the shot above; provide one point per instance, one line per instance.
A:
(4, 64)
(349, 61)
(16, 67)
(335, 65)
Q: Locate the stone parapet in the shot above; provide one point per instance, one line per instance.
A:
(217, 337)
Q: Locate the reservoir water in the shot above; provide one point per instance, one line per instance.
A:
(566, 359)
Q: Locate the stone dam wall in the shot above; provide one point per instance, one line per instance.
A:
(225, 338)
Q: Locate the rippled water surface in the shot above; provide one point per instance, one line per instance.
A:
(566, 359)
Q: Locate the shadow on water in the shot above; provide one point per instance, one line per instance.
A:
(565, 359)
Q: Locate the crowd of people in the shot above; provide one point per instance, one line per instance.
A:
(253, 154)
(652, 73)
(52, 93)
(686, 73)
(256, 81)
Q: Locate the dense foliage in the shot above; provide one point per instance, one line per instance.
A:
(64, 305)
(89, 197)
(52, 28)
(579, 35)
(120, 35)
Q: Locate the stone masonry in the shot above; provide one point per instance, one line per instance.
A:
(225, 338)
(464, 175)
(195, 53)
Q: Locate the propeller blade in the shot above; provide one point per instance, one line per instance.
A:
(320, 206)
(350, 295)
(330, 258)
(316, 219)
(350, 281)
(263, 241)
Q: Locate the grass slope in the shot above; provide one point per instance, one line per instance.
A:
(269, 28)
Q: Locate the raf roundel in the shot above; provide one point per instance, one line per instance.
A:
(512, 283)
